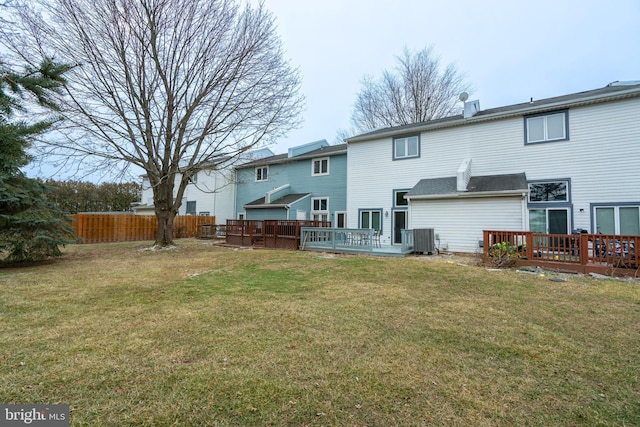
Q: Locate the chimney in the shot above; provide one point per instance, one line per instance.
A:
(463, 175)
(471, 108)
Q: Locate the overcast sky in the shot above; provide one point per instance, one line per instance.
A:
(509, 50)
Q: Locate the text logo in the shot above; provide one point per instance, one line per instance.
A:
(34, 415)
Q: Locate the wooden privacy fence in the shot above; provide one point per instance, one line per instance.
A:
(280, 234)
(601, 253)
(104, 228)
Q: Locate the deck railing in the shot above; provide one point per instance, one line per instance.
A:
(281, 234)
(407, 240)
(350, 240)
(587, 252)
(356, 239)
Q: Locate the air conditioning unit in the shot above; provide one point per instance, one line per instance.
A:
(423, 240)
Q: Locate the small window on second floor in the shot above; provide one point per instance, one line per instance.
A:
(546, 127)
(399, 199)
(262, 173)
(320, 166)
(406, 147)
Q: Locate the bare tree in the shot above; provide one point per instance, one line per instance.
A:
(169, 86)
(416, 91)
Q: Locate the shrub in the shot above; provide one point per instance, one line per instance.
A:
(504, 255)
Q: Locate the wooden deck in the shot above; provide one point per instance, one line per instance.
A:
(276, 234)
(583, 253)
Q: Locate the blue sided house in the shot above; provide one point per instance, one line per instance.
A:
(307, 183)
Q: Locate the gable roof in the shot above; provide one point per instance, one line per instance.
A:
(330, 150)
(490, 185)
(611, 92)
(282, 202)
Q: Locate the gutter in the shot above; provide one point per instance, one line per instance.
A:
(266, 162)
(278, 206)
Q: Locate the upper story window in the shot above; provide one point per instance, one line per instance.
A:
(262, 173)
(406, 147)
(547, 127)
(320, 166)
(552, 191)
(194, 178)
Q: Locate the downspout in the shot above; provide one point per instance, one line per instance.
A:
(235, 193)
(524, 212)
(215, 193)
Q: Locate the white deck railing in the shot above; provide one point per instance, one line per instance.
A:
(348, 239)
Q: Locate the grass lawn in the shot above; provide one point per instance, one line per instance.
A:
(205, 335)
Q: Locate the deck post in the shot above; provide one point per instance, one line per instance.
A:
(528, 238)
(583, 249)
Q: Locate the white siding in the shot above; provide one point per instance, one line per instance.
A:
(459, 222)
(601, 159)
(213, 193)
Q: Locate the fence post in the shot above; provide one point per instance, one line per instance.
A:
(485, 244)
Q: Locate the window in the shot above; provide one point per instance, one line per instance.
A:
(407, 147)
(320, 209)
(554, 191)
(194, 178)
(371, 219)
(320, 166)
(398, 198)
(546, 127)
(623, 220)
(191, 208)
(262, 173)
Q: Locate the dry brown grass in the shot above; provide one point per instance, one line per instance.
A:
(203, 335)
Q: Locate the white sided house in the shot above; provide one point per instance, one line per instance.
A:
(211, 191)
(551, 166)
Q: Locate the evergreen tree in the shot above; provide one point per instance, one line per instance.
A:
(31, 227)
(78, 196)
